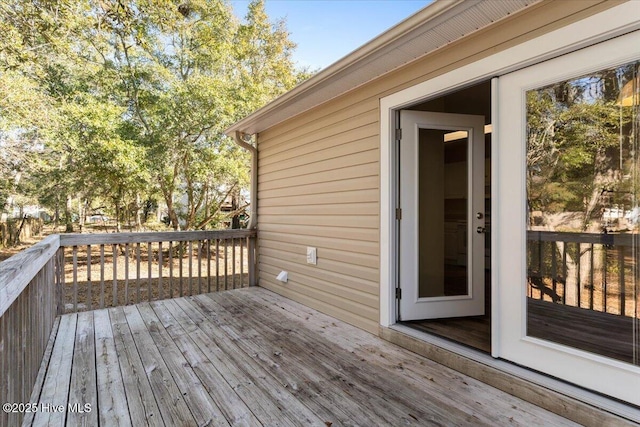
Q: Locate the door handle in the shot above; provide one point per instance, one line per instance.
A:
(481, 230)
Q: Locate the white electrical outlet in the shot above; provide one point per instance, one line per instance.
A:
(312, 255)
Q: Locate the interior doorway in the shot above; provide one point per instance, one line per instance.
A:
(444, 255)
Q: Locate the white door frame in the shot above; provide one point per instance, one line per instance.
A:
(610, 23)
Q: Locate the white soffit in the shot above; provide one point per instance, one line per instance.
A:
(440, 23)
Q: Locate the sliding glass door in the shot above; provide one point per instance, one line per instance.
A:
(569, 138)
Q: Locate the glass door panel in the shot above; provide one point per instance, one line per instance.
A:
(443, 194)
(583, 212)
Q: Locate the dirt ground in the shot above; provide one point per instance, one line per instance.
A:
(7, 252)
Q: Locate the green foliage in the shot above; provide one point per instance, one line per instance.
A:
(580, 144)
(123, 101)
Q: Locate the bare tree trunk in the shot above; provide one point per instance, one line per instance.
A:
(235, 220)
(81, 213)
(118, 215)
(173, 216)
(577, 266)
(168, 199)
(68, 219)
(138, 213)
(578, 277)
(56, 215)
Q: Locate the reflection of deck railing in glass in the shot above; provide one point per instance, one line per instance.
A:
(586, 270)
(108, 270)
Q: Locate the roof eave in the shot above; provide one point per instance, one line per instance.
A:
(439, 12)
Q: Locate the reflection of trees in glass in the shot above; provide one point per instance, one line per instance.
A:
(581, 142)
(582, 138)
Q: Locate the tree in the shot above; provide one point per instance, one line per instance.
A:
(180, 75)
(263, 58)
(578, 137)
(141, 91)
(34, 60)
(99, 153)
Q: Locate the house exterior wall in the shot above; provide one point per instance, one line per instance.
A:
(318, 175)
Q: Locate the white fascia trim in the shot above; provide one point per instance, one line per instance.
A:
(618, 20)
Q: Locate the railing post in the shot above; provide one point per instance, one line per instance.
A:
(60, 282)
(252, 255)
(29, 303)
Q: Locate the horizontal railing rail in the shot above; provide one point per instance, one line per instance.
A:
(174, 236)
(611, 239)
(597, 271)
(28, 309)
(112, 269)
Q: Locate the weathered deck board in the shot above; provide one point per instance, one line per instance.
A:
(249, 357)
(140, 399)
(417, 397)
(200, 403)
(606, 334)
(170, 399)
(112, 400)
(233, 407)
(267, 399)
(82, 390)
(55, 392)
(411, 405)
(417, 370)
(287, 359)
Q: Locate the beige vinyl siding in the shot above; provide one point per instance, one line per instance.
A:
(318, 182)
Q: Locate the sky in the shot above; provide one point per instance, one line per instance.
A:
(327, 30)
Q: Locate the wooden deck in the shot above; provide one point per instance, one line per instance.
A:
(250, 357)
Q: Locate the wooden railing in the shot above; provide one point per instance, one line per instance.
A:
(108, 270)
(597, 271)
(75, 272)
(28, 310)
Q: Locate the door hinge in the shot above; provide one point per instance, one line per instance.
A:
(398, 213)
(398, 293)
(398, 134)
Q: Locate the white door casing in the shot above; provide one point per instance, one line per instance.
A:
(412, 306)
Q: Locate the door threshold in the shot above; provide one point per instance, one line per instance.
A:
(572, 402)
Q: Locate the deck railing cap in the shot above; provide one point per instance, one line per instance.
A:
(77, 239)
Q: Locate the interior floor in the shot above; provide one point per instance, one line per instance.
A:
(473, 331)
